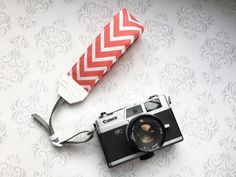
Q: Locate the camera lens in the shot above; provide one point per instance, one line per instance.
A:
(146, 133)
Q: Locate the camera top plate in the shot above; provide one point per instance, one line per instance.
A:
(108, 121)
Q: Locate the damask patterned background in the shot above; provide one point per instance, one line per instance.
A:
(188, 51)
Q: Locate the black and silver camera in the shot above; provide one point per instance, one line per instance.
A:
(138, 130)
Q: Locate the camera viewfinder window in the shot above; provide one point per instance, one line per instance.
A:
(152, 105)
(134, 111)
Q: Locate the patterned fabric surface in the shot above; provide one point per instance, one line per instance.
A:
(187, 51)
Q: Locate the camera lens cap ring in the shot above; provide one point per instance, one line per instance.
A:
(146, 132)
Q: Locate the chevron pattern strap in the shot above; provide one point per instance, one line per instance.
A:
(108, 46)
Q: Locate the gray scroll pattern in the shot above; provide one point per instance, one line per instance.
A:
(50, 157)
(161, 160)
(223, 164)
(5, 20)
(199, 124)
(137, 6)
(93, 15)
(3, 131)
(178, 77)
(219, 53)
(194, 18)
(32, 7)
(227, 6)
(11, 167)
(229, 98)
(183, 172)
(13, 66)
(187, 51)
(164, 38)
(124, 170)
(54, 41)
(22, 108)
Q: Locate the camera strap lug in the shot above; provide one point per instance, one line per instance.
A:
(167, 126)
(53, 136)
(169, 100)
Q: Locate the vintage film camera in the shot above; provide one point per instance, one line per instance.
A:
(138, 130)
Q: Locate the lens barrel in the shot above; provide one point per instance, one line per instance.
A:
(146, 132)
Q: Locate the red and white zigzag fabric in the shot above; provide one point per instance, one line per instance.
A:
(108, 46)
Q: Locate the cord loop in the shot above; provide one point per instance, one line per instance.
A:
(52, 135)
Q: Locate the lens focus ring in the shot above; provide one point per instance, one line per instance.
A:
(146, 132)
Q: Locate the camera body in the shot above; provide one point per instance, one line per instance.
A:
(114, 130)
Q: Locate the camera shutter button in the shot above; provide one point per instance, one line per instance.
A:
(102, 115)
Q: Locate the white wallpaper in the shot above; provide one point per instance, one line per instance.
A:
(188, 51)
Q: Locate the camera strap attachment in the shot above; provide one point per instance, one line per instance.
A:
(113, 41)
(53, 136)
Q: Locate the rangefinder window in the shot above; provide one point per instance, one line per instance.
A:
(152, 105)
(134, 111)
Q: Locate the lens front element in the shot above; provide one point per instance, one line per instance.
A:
(146, 133)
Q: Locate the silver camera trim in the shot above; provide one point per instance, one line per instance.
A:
(133, 156)
(118, 118)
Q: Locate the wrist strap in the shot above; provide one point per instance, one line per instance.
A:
(108, 46)
(52, 135)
